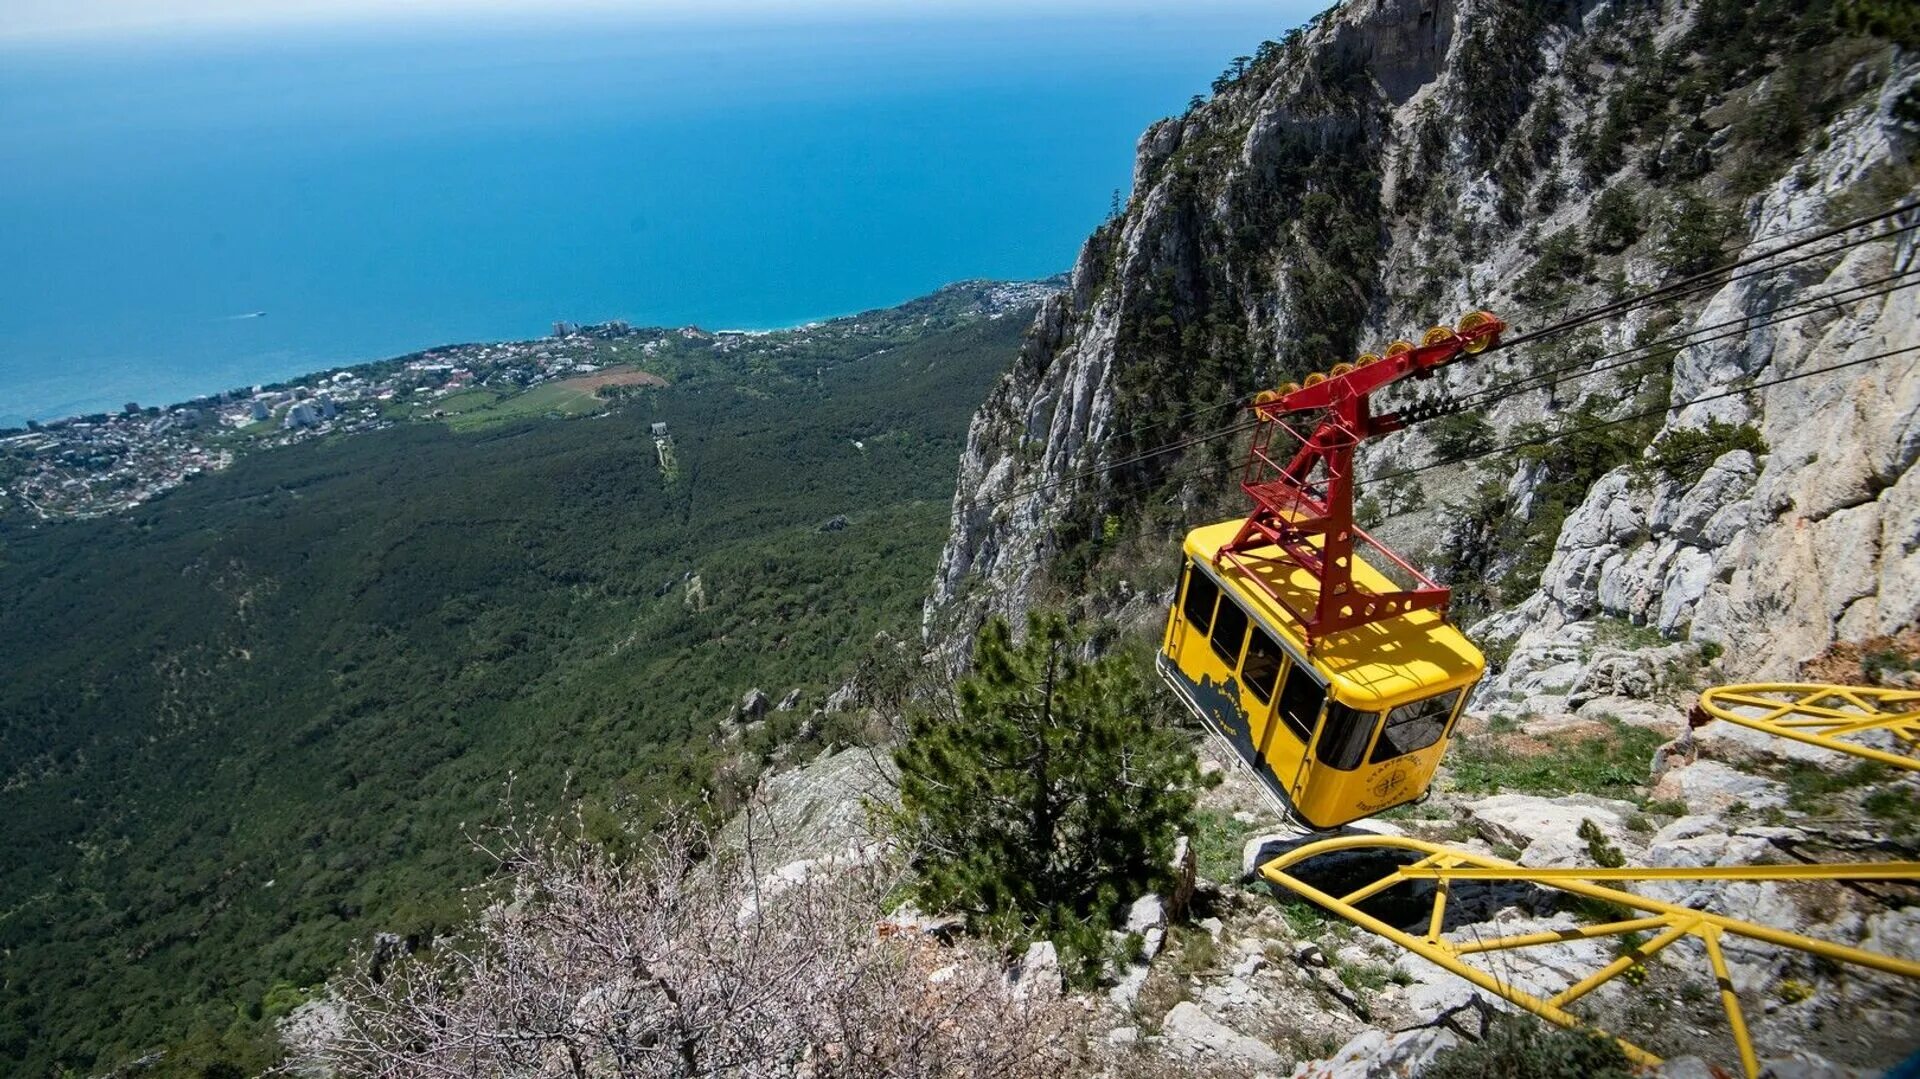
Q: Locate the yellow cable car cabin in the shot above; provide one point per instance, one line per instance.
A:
(1344, 730)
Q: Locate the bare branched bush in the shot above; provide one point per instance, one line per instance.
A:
(689, 961)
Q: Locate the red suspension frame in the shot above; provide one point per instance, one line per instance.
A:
(1303, 506)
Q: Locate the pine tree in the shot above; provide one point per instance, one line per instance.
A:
(1049, 793)
(1615, 223)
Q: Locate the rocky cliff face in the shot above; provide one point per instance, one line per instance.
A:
(1399, 162)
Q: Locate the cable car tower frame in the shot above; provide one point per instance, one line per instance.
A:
(1303, 508)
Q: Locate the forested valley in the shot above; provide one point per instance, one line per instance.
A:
(251, 725)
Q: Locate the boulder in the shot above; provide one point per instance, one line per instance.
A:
(789, 702)
(1194, 1033)
(1708, 786)
(1376, 1054)
(753, 706)
(1895, 933)
(1518, 820)
(1148, 917)
(842, 699)
(1127, 989)
(1636, 675)
(1038, 972)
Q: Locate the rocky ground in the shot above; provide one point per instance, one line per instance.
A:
(1572, 757)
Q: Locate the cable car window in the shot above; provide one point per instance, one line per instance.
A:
(1344, 740)
(1229, 632)
(1300, 702)
(1201, 594)
(1414, 725)
(1262, 667)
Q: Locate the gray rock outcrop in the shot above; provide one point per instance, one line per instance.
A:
(1192, 1032)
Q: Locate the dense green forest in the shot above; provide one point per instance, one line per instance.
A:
(248, 726)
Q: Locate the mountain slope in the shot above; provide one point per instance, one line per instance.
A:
(1397, 163)
(252, 723)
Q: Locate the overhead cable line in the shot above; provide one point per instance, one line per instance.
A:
(1247, 425)
(1678, 289)
(1086, 473)
(1641, 415)
(1665, 293)
(1814, 305)
(1706, 278)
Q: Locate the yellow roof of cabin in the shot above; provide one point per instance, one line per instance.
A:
(1374, 666)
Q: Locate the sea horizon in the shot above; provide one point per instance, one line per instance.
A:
(301, 376)
(228, 210)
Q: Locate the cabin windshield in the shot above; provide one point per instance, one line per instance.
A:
(1415, 726)
(1343, 741)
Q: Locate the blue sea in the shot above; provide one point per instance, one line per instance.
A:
(180, 215)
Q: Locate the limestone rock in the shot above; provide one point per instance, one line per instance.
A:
(1376, 1054)
(753, 706)
(1636, 675)
(842, 699)
(1708, 786)
(1148, 917)
(1126, 989)
(1520, 819)
(1038, 972)
(1193, 1032)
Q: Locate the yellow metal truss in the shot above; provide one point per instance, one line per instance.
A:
(1823, 715)
(1667, 922)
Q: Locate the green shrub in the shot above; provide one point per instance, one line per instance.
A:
(1682, 452)
(1523, 1047)
(1047, 792)
(1461, 434)
(1694, 233)
(1602, 851)
(1561, 262)
(1615, 223)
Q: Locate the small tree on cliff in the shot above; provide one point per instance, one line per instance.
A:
(1047, 791)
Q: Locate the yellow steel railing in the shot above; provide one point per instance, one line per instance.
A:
(1822, 715)
(1668, 921)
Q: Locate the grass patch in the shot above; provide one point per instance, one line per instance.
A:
(1811, 788)
(1195, 951)
(1368, 977)
(1620, 633)
(1304, 919)
(1596, 911)
(1218, 844)
(1611, 765)
(554, 399)
(1896, 805)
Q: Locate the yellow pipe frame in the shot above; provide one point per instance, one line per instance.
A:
(1445, 865)
(1820, 714)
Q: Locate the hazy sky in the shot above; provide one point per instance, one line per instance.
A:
(69, 20)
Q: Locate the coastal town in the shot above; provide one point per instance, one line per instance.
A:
(94, 465)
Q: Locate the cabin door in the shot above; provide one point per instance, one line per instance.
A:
(1296, 713)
